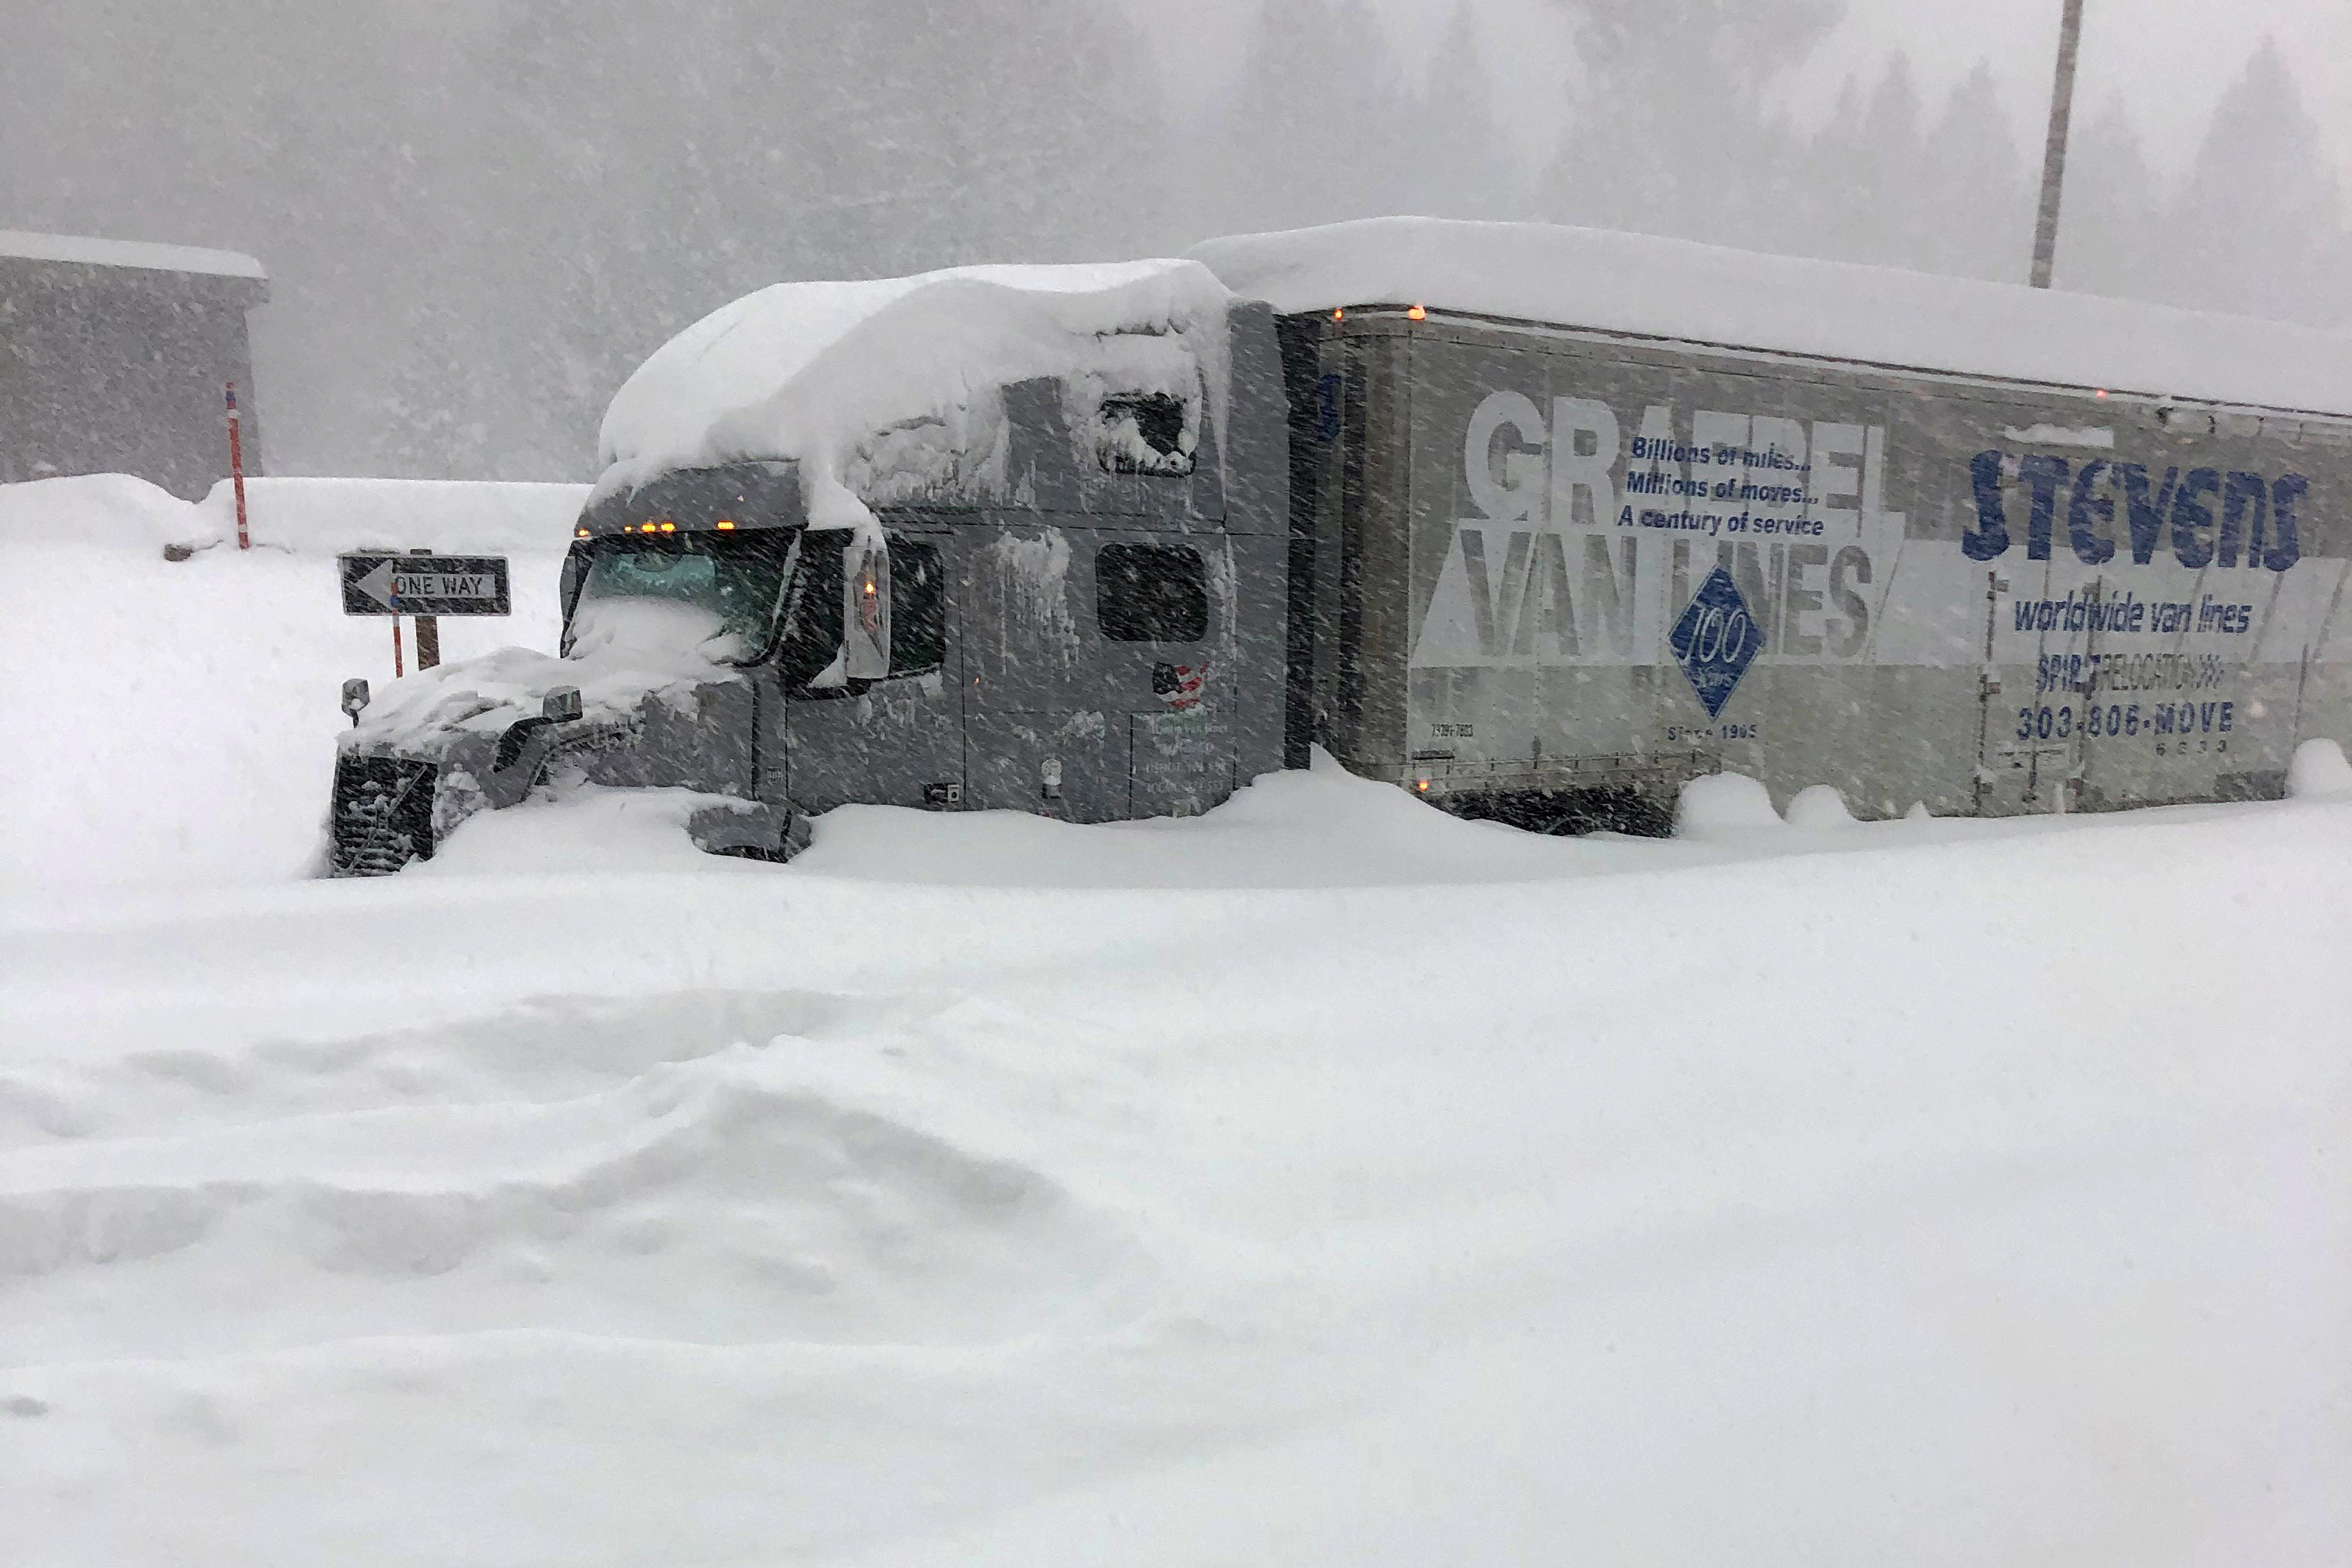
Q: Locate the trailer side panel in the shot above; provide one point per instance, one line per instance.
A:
(1598, 566)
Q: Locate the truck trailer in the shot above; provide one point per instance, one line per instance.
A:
(1536, 523)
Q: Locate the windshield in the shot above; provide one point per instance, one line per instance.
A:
(729, 598)
(715, 594)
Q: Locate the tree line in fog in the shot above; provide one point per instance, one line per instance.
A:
(478, 215)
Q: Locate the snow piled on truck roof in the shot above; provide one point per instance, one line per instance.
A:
(1653, 286)
(807, 372)
(87, 250)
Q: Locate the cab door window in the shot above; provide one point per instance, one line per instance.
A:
(919, 606)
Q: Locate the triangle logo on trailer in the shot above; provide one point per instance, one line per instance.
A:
(1716, 640)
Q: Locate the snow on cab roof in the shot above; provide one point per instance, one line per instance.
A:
(83, 248)
(808, 372)
(1652, 287)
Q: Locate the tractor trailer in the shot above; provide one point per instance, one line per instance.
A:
(1536, 523)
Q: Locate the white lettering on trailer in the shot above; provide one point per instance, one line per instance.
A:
(1570, 564)
(1594, 528)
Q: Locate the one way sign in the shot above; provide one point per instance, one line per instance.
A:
(389, 584)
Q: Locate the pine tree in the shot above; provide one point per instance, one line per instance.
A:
(1888, 220)
(1319, 128)
(1456, 162)
(1830, 211)
(1671, 130)
(2258, 224)
(2111, 222)
(1978, 220)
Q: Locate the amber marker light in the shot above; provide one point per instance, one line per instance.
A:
(1421, 786)
(579, 533)
(1416, 314)
(669, 528)
(724, 526)
(1338, 315)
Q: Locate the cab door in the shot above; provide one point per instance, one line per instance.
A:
(1098, 677)
(1160, 618)
(1041, 730)
(896, 740)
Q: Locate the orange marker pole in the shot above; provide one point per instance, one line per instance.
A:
(237, 469)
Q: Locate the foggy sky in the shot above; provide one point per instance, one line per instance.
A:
(480, 215)
(2164, 62)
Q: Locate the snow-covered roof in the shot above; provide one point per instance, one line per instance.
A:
(91, 252)
(1652, 286)
(806, 371)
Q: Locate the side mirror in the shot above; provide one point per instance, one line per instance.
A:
(560, 705)
(866, 619)
(355, 698)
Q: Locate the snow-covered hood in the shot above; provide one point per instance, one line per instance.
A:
(424, 713)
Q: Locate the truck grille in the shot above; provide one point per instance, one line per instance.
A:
(382, 815)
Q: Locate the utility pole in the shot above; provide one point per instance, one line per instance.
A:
(2053, 156)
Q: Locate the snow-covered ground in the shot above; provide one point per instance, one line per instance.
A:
(1323, 1180)
(173, 722)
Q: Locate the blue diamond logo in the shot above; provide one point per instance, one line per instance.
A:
(1716, 640)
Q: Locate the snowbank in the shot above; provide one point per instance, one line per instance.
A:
(106, 511)
(588, 828)
(2318, 771)
(1819, 806)
(1723, 802)
(1700, 293)
(174, 723)
(324, 516)
(315, 517)
(811, 373)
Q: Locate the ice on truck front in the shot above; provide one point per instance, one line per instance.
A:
(676, 598)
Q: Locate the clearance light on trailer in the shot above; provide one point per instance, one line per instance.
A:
(724, 526)
(1416, 314)
(669, 528)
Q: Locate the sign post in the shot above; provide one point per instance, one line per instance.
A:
(421, 584)
(428, 630)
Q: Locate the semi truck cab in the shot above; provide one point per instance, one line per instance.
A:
(1084, 622)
